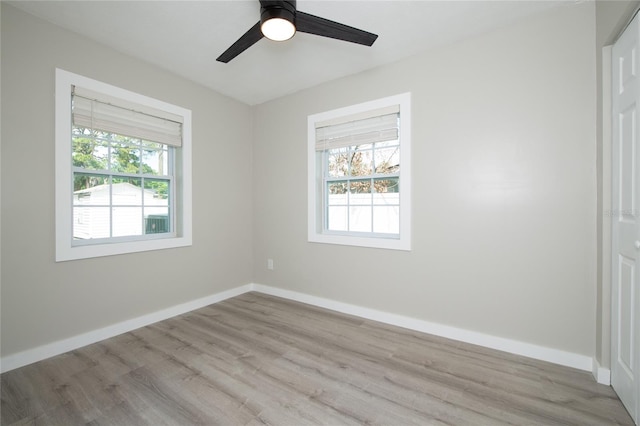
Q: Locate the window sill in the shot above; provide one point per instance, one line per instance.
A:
(348, 240)
(66, 252)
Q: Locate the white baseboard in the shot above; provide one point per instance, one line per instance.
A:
(542, 353)
(602, 375)
(555, 356)
(49, 350)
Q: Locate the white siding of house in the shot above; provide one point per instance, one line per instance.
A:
(91, 211)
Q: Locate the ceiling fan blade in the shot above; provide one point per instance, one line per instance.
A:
(312, 24)
(249, 38)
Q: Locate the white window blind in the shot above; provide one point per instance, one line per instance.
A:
(360, 129)
(100, 112)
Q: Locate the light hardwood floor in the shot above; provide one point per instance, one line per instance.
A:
(258, 359)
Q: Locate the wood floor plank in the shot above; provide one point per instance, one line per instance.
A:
(261, 360)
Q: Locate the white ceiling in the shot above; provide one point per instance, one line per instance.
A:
(186, 37)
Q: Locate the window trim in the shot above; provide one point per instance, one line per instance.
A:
(315, 203)
(65, 249)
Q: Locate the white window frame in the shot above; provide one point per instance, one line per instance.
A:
(315, 191)
(65, 247)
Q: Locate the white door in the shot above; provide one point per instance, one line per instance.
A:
(625, 309)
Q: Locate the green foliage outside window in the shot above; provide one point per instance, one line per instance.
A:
(95, 150)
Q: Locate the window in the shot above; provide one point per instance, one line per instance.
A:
(123, 181)
(359, 171)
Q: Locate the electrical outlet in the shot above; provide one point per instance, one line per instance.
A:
(270, 264)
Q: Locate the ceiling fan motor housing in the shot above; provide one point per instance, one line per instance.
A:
(278, 9)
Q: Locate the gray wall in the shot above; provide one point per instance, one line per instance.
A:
(44, 301)
(504, 187)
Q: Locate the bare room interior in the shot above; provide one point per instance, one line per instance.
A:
(407, 212)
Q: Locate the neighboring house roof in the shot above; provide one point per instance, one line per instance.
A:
(117, 188)
(121, 194)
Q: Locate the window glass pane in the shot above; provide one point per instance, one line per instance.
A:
(388, 185)
(126, 191)
(337, 187)
(156, 206)
(90, 222)
(154, 159)
(361, 186)
(337, 218)
(386, 199)
(337, 193)
(338, 162)
(127, 221)
(156, 192)
(125, 158)
(361, 162)
(387, 160)
(84, 184)
(156, 220)
(88, 153)
(338, 199)
(386, 219)
(360, 218)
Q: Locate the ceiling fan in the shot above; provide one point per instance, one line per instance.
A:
(279, 21)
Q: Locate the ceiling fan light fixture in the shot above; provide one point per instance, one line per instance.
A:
(277, 19)
(278, 29)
